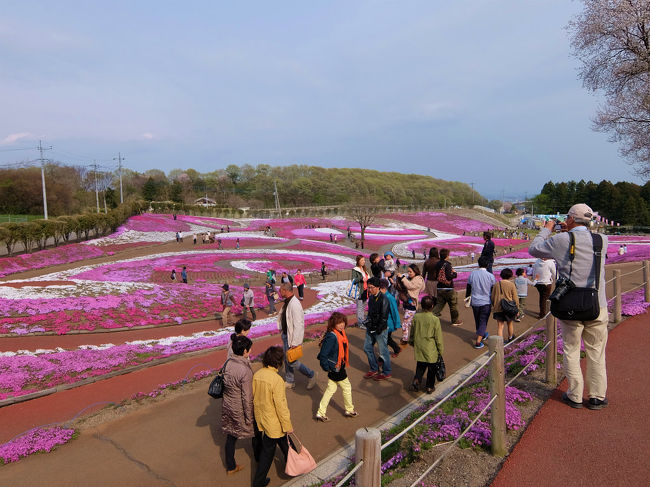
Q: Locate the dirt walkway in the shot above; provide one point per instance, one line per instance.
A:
(565, 446)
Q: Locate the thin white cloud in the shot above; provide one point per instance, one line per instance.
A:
(11, 138)
(147, 135)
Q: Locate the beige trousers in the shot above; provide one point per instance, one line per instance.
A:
(594, 336)
(224, 316)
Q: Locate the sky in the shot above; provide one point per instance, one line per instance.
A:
(479, 91)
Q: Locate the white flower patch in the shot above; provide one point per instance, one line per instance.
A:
(401, 249)
(245, 264)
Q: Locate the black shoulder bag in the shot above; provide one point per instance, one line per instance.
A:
(569, 302)
(217, 385)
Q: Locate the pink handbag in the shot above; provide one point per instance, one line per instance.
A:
(298, 462)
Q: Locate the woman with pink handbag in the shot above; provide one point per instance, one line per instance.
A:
(272, 415)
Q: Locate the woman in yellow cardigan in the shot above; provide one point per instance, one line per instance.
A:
(272, 415)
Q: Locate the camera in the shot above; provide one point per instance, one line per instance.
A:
(558, 226)
(562, 286)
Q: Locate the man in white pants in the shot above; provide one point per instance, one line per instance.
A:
(593, 333)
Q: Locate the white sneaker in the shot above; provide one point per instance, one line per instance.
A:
(290, 385)
(312, 381)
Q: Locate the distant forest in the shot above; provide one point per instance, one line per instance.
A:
(627, 203)
(71, 189)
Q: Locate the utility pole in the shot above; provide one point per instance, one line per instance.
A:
(41, 149)
(96, 190)
(277, 198)
(119, 160)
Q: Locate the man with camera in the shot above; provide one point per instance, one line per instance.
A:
(579, 294)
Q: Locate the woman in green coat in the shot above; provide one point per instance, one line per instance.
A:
(426, 338)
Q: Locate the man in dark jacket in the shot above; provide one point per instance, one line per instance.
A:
(377, 331)
(488, 250)
(376, 266)
(446, 293)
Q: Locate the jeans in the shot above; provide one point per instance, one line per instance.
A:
(481, 317)
(346, 388)
(301, 291)
(447, 296)
(361, 311)
(381, 339)
(431, 374)
(289, 366)
(252, 310)
(271, 303)
(265, 453)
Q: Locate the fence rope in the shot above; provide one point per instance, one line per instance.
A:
(634, 288)
(436, 405)
(632, 272)
(426, 472)
(527, 331)
(350, 473)
(532, 361)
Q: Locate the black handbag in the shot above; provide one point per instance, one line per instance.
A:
(509, 308)
(578, 303)
(441, 369)
(217, 385)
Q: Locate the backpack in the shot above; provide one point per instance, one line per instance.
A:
(442, 275)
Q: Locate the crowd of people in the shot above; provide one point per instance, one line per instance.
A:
(255, 405)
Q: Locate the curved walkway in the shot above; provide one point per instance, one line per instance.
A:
(565, 446)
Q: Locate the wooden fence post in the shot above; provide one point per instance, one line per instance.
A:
(551, 350)
(497, 388)
(617, 296)
(367, 443)
(646, 279)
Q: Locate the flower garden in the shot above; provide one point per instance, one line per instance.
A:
(122, 282)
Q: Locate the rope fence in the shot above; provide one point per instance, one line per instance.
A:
(367, 470)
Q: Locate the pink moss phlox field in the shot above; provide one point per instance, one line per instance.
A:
(45, 258)
(35, 440)
(634, 253)
(150, 222)
(143, 270)
(160, 305)
(443, 222)
(632, 303)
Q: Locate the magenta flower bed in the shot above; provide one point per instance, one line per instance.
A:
(150, 222)
(45, 258)
(164, 304)
(632, 303)
(36, 440)
(443, 222)
(322, 247)
(634, 253)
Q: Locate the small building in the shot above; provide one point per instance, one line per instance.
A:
(205, 201)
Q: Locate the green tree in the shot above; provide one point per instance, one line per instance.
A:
(150, 190)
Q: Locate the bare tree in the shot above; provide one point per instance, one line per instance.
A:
(364, 213)
(612, 39)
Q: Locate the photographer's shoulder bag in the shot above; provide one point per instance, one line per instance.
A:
(579, 303)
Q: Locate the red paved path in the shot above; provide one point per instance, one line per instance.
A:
(570, 447)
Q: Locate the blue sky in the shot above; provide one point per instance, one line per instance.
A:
(476, 91)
